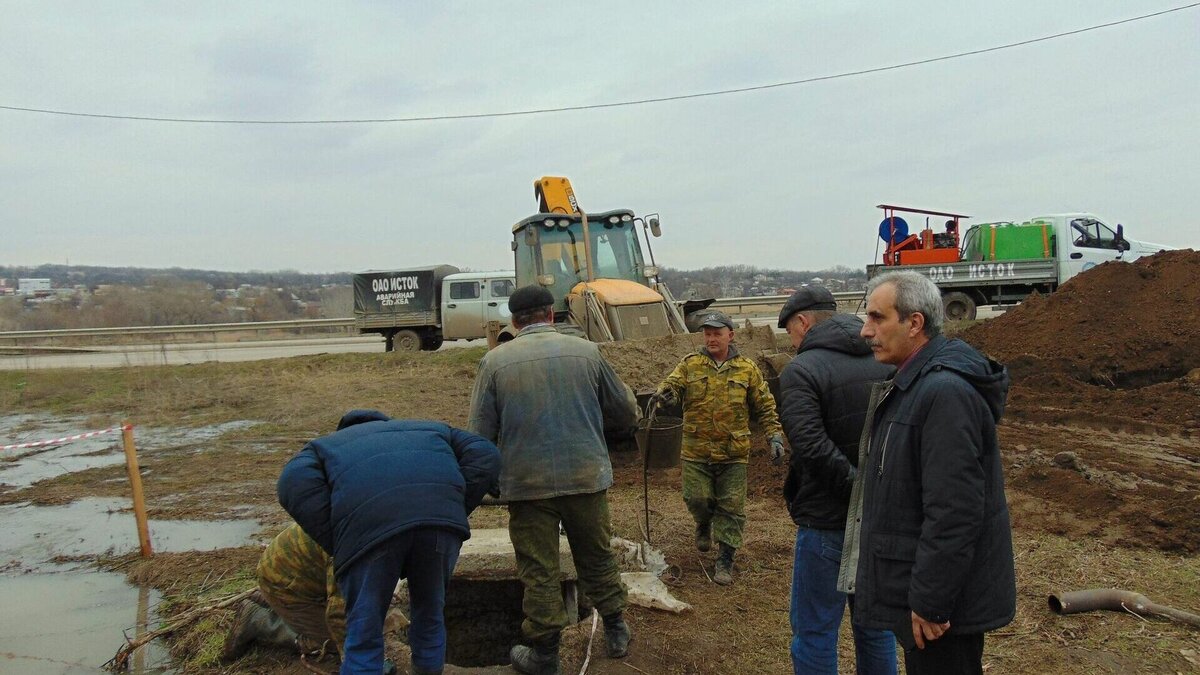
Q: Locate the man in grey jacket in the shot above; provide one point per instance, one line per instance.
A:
(546, 399)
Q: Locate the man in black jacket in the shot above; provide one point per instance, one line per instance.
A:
(933, 559)
(824, 392)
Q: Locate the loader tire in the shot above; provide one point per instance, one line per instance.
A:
(959, 306)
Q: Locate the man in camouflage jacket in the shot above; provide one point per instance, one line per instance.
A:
(719, 389)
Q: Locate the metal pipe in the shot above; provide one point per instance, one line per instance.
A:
(1116, 600)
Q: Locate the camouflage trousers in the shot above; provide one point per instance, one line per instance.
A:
(315, 623)
(533, 528)
(716, 495)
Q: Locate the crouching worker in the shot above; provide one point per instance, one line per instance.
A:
(389, 499)
(304, 608)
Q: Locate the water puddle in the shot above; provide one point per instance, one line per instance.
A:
(62, 618)
(71, 622)
(35, 536)
(26, 466)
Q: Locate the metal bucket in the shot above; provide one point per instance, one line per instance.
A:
(660, 439)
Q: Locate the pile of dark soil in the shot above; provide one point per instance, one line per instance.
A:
(1116, 346)
(1124, 325)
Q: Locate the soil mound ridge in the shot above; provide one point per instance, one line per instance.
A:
(1122, 325)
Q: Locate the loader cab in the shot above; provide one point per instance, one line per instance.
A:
(550, 250)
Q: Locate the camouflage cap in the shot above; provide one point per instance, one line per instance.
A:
(715, 319)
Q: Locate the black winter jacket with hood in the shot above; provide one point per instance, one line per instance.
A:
(823, 401)
(935, 535)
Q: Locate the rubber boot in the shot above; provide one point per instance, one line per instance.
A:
(724, 570)
(540, 659)
(703, 537)
(616, 635)
(254, 623)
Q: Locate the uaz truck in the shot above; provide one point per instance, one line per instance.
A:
(419, 308)
(999, 263)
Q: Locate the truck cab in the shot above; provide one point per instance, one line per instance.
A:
(471, 299)
(1084, 241)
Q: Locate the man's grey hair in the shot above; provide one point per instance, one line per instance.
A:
(915, 294)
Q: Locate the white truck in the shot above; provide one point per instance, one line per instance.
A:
(1000, 263)
(421, 307)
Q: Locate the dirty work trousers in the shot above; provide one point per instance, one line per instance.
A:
(426, 557)
(817, 609)
(533, 528)
(716, 495)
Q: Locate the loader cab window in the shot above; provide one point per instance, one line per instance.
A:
(616, 253)
(1091, 233)
(502, 288)
(464, 290)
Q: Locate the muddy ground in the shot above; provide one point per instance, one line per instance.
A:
(1102, 464)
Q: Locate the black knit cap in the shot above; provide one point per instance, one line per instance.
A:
(529, 297)
(805, 298)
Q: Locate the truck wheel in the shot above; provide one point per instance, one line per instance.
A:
(959, 306)
(430, 343)
(406, 341)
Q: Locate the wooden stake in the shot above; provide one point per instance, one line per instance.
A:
(493, 334)
(135, 482)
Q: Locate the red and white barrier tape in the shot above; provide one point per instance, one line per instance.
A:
(65, 439)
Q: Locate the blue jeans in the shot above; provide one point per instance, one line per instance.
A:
(426, 557)
(817, 608)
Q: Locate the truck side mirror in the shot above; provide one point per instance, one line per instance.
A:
(654, 227)
(1121, 242)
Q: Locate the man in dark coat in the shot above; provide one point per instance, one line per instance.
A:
(934, 553)
(824, 392)
(389, 499)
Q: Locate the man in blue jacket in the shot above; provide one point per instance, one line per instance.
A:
(389, 499)
(932, 557)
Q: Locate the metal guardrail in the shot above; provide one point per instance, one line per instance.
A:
(758, 304)
(190, 328)
(747, 305)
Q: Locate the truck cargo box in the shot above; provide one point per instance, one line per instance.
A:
(1007, 241)
(405, 297)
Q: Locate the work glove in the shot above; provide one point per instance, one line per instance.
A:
(777, 451)
(665, 397)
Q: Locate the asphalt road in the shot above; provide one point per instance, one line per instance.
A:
(121, 356)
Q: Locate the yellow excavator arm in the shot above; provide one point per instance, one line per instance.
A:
(554, 195)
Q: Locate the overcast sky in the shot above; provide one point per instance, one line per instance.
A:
(1106, 121)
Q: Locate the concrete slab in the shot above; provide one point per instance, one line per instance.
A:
(488, 556)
